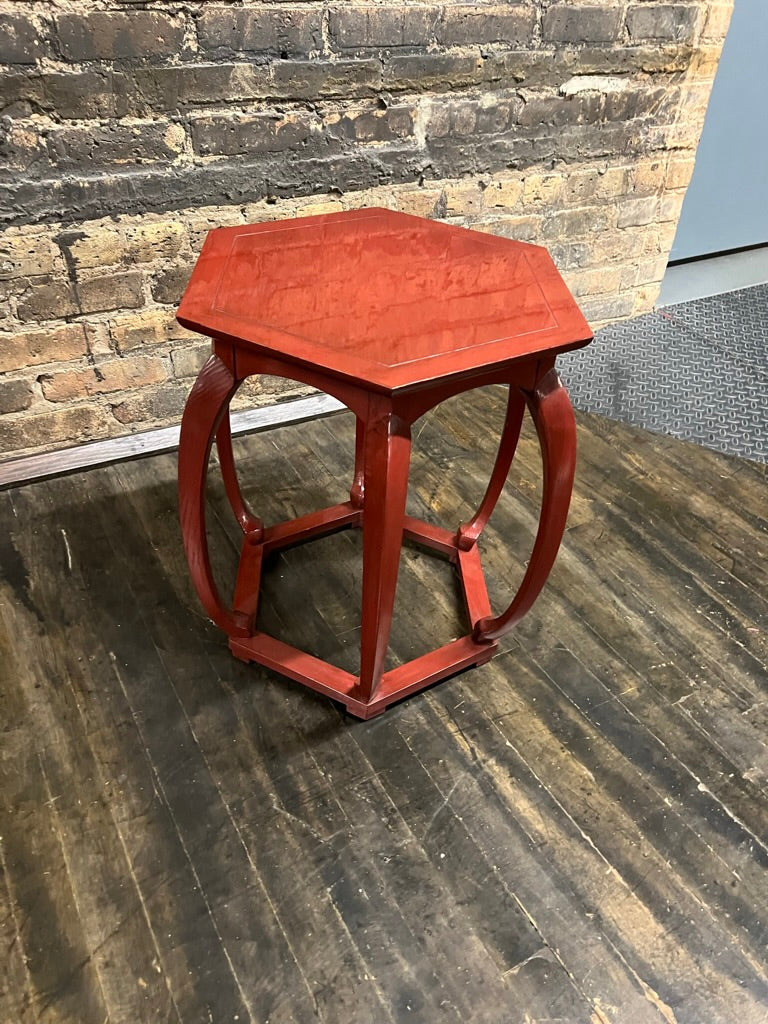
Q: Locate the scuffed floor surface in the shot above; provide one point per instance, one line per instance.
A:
(576, 832)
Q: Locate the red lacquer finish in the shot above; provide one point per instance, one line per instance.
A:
(391, 314)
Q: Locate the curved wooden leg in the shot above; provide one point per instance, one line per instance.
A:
(468, 533)
(357, 494)
(387, 448)
(250, 524)
(555, 425)
(203, 412)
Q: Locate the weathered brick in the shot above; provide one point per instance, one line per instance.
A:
(153, 405)
(519, 229)
(422, 202)
(643, 271)
(155, 240)
(462, 199)
(612, 182)
(170, 89)
(109, 35)
(618, 246)
(169, 284)
(504, 193)
(289, 32)
(32, 348)
(47, 300)
(188, 361)
(111, 291)
(718, 20)
(582, 221)
(601, 281)
(542, 109)
(146, 328)
(665, 22)
(382, 28)
(568, 255)
(310, 79)
(207, 218)
(116, 144)
(580, 184)
(498, 113)
(105, 378)
(71, 94)
(489, 115)
(22, 148)
(636, 212)
(669, 207)
(481, 24)
(28, 255)
(647, 177)
(319, 209)
(15, 396)
(95, 246)
(20, 41)
(97, 333)
(577, 23)
(603, 308)
(423, 72)
(679, 172)
(79, 424)
(542, 189)
(372, 125)
(227, 135)
(89, 94)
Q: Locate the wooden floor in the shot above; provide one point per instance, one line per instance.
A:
(576, 832)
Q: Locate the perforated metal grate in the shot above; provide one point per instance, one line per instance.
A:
(698, 371)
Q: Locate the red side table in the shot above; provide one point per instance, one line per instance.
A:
(391, 314)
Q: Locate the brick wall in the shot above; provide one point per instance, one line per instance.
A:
(128, 129)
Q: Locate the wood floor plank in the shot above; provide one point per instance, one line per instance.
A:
(575, 832)
(514, 852)
(291, 812)
(653, 638)
(645, 927)
(660, 800)
(16, 991)
(300, 807)
(170, 887)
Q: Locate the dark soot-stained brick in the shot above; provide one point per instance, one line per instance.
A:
(260, 133)
(385, 28)
(310, 79)
(674, 23)
(472, 25)
(173, 88)
(268, 30)
(566, 23)
(169, 285)
(107, 35)
(20, 42)
(15, 395)
(119, 145)
(423, 72)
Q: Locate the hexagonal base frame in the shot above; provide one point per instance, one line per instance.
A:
(334, 682)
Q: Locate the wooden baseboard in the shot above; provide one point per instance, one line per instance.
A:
(26, 469)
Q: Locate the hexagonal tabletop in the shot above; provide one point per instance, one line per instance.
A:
(381, 297)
